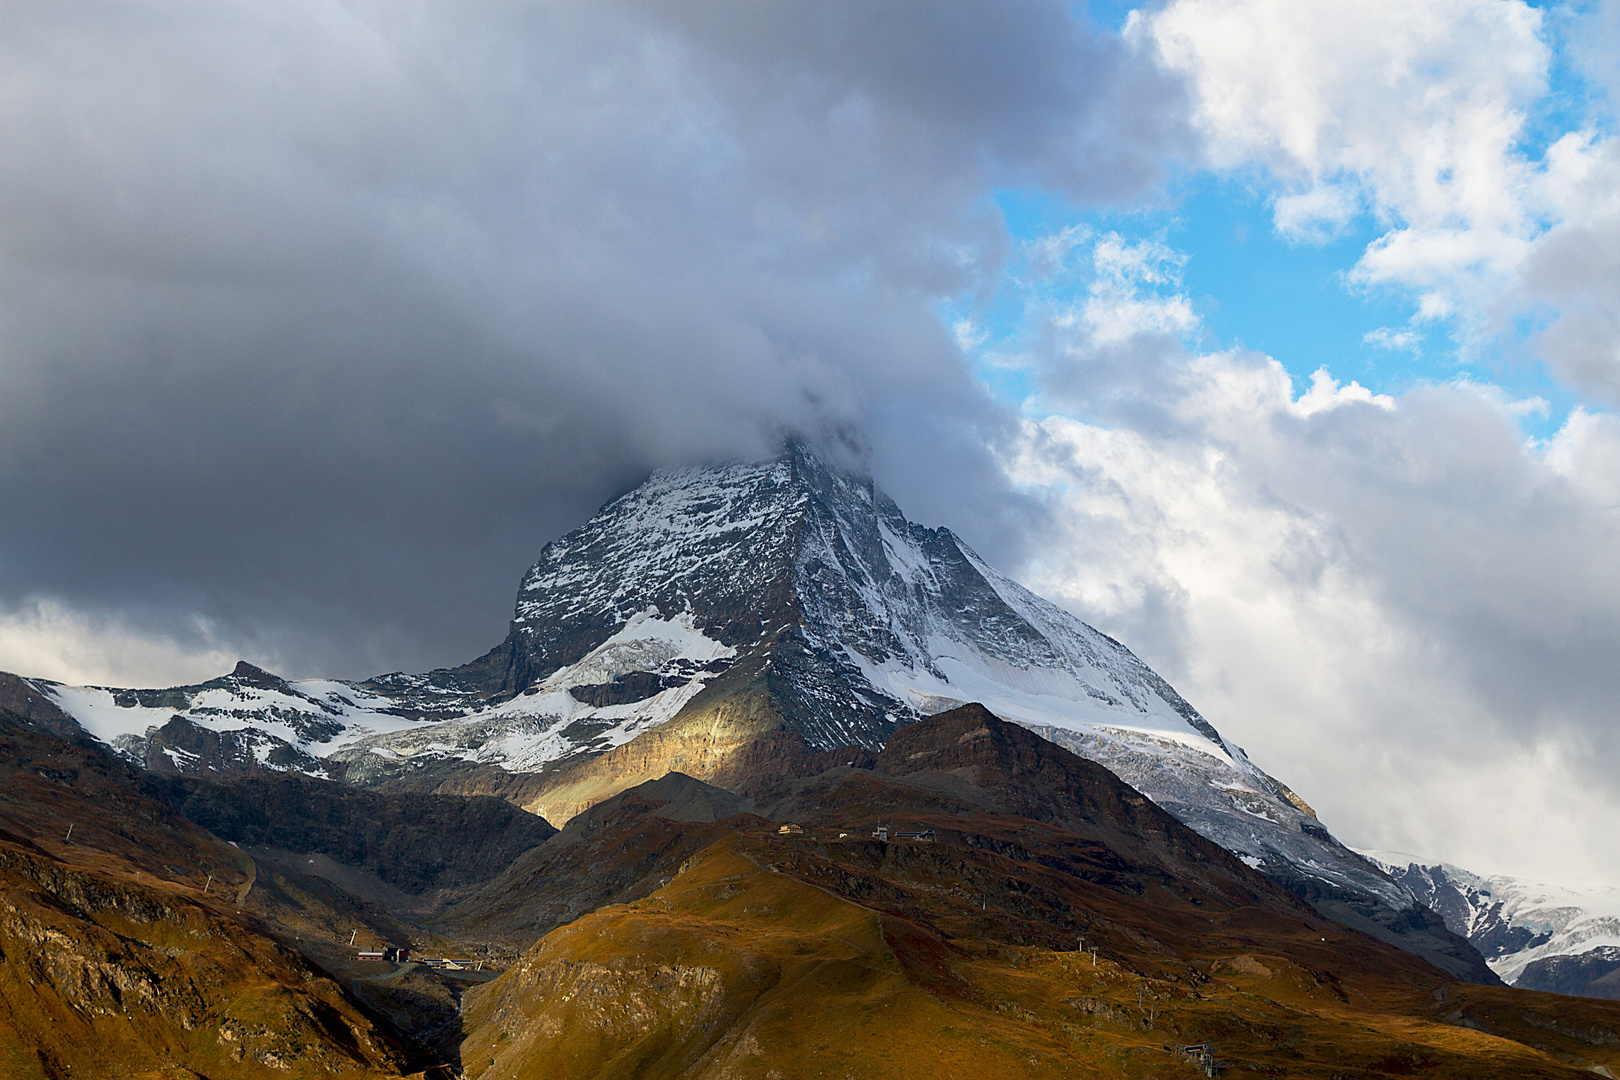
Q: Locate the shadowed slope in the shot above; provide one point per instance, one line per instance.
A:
(618, 850)
(413, 842)
(124, 952)
(972, 752)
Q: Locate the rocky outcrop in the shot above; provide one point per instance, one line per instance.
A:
(181, 746)
(1594, 973)
(106, 978)
(23, 700)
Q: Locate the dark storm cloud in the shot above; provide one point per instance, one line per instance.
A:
(319, 319)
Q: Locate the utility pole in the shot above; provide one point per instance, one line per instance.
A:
(353, 936)
(207, 884)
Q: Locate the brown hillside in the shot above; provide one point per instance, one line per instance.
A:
(792, 957)
(1052, 927)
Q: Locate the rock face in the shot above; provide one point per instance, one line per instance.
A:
(26, 704)
(1593, 973)
(745, 624)
(1539, 936)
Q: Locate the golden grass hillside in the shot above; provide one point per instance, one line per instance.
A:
(742, 969)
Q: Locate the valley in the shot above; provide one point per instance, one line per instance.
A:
(1027, 915)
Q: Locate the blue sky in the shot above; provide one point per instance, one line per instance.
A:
(1294, 298)
(1471, 285)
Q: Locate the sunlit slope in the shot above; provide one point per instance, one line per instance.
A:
(712, 976)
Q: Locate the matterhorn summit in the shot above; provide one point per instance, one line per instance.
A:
(746, 623)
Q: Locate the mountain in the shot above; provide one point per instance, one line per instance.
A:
(1099, 937)
(1534, 935)
(746, 624)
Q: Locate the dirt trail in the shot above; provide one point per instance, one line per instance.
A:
(252, 876)
(389, 976)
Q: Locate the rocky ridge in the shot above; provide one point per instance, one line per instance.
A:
(1539, 936)
(745, 623)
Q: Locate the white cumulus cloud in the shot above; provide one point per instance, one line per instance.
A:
(1418, 115)
(1402, 605)
(50, 640)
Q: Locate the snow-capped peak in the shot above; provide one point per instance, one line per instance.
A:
(806, 576)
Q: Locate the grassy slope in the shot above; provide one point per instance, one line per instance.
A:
(781, 957)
